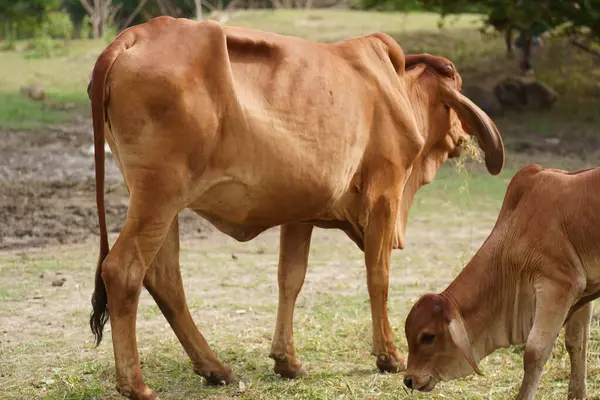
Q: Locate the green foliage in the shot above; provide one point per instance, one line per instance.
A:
(110, 33)
(57, 25)
(85, 28)
(22, 18)
(41, 46)
(51, 35)
(533, 17)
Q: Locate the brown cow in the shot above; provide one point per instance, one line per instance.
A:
(537, 271)
(252, 130)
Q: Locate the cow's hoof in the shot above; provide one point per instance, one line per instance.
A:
(288, 368)
(221, 377)
(143, 393)
(392, 363)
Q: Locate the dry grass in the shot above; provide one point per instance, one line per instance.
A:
(46, 347)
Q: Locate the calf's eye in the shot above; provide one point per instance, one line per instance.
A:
(427, 338)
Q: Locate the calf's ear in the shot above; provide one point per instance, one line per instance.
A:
(476, 123)
(461, 340)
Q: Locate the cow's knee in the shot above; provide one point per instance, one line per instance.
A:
(121, 278)
(533, 356)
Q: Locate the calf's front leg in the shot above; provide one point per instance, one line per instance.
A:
(553, 303)
(379, 234)
(577, 336)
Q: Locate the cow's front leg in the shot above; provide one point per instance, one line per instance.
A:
(293, 260)
(379, 234)
(552, 305)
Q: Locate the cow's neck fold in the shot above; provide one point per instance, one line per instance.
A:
(484, 292)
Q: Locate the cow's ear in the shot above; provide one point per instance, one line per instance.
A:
(457, 330)
(476, 123)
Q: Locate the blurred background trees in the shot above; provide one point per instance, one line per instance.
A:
(23, 18)
(522, 22)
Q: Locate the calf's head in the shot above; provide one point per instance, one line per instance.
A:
(438, 344)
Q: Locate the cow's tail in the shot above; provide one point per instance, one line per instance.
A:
(99, 100)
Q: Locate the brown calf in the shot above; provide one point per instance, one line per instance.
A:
(538, 270)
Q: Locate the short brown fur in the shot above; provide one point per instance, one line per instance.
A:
(253, 130)
(538, 270)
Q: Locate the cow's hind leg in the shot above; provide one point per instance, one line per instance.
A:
(163, 281)
(146, 226)
(577, 336)
(293, 260)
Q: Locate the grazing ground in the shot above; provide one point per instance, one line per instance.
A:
(48, 233)
(46, 347)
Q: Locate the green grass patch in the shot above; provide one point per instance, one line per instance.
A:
(20, 113)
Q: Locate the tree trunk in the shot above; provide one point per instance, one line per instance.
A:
(95, 26)
(101, 14)
(508, 34)
(526, 66)
(198, 9)
(167, 7)
(129, 20)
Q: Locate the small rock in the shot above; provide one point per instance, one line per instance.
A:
(242, 311)
(37, 296)
(260, 251)
(523, 92)
(58, 282)
(241, 387)
(33, 92)
(42, 275)
(553, 141)
(234, 257)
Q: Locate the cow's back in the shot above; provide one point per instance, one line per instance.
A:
(550, 218)
(269, 128)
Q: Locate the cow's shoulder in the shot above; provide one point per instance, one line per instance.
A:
(520, 184)
(256, 43)
(250, 39)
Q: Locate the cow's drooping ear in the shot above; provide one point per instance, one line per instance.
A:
(461, 340)
(476, 123)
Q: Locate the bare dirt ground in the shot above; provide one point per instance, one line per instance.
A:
(47, 188)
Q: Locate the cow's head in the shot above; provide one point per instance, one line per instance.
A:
(438, 344)
(445, 118)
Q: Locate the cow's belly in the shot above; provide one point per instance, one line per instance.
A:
(237, 203)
